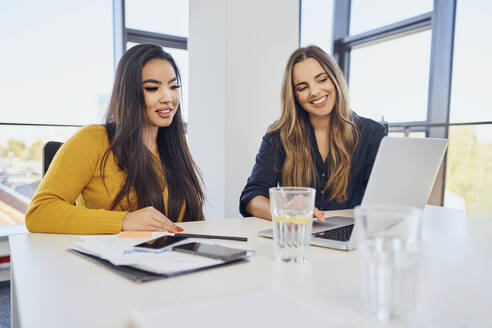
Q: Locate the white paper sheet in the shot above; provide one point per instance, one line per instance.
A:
(120, 251)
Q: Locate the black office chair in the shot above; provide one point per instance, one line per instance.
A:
(49, 150)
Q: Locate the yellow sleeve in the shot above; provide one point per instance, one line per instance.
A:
(52, 210)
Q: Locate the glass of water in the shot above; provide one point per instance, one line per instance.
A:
(292, 218)
(388, 239)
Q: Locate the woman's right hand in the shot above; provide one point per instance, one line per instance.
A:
(148, 219)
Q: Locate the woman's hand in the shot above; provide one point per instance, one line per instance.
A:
(300, 202)
(148, 219)
(320, 215)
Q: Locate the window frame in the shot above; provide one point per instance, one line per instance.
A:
(441, 22)
(122, 34)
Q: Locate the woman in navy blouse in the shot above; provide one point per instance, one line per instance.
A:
(318, 141)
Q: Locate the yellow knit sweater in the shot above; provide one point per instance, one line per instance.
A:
(74, 174)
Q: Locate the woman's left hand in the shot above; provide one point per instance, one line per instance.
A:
(320, 215)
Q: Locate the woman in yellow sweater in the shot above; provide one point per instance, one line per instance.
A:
(133, 173)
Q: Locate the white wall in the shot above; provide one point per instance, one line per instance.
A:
(237, 52)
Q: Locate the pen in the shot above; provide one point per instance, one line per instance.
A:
(194, 235)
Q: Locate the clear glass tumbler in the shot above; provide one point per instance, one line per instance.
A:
(388, 239)
(292, 218)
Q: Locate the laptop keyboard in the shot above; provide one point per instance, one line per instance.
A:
(341, 234)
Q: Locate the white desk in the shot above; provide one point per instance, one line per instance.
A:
(54, 288)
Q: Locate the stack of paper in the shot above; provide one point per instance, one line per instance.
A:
(120, 252)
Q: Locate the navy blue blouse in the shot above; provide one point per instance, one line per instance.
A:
(269, 161)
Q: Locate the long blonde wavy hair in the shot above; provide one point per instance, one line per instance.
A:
(293, 126)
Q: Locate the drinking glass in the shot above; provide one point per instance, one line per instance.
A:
(388, 239)
(292, 218)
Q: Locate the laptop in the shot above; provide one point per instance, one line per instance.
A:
(403, 173)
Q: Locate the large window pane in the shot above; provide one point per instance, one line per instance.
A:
(391, 78)
(163, 16)
(368, 15)
(469, 167)
(470, 96)
(21, 167)
(316, 23)
(56, 61)
(181, 58)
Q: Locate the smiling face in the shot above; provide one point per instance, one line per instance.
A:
(161, 92)
(313, 88)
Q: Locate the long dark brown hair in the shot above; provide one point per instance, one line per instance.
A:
(294, 126)
(146, 177)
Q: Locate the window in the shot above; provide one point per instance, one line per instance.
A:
(470, 99)
(57, 72)
(469, 161)
(386, 82)
(20, 165)
(163, 16)
(316, 18)
(368, 15)
(469, 167)
(56, 68)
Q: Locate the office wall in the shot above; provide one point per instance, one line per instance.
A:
(237, 53)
